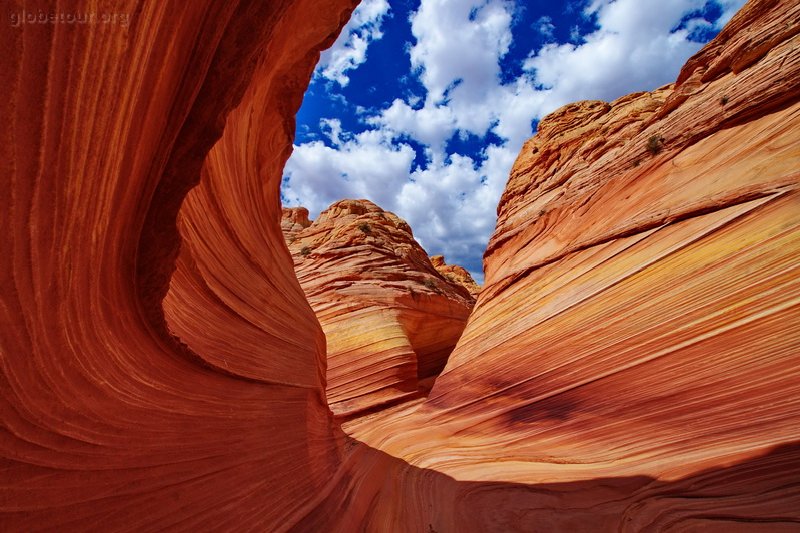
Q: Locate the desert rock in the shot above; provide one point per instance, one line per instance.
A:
(390, 319)
(293, 221)
(158, 369)
(641, 312)
(630, 365)
(456, 273)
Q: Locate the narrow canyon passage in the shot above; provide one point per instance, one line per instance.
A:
(630, 364)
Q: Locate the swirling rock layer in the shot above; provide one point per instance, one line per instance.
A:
(390, 319)
(631, 364)
(641, 312)
(109, 421)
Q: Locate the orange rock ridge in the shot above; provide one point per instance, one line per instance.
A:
(630, 365)
(641, 313)
(457, 274)
(390, 320)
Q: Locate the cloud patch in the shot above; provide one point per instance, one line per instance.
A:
(350, 49)
(401, 156)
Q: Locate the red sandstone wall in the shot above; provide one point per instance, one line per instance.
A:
(108, 423)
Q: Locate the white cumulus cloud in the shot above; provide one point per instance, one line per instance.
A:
(364, 165)
(450, 200)
(350, 49)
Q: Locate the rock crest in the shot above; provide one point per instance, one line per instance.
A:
(389, 317)
(457, 274)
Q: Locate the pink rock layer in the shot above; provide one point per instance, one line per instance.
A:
(390, 318)
(631, 364)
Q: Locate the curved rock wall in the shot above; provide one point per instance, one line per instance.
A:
(109, 422)
(630, 365)
(641, 313)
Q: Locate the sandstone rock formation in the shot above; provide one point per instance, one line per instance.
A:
(631, 364)
(109, 422)
(293, 221)
(390, 320)
(640, 320)
(457, 274)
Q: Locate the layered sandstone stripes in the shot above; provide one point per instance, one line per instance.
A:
(390, 318)
(630, 365)
(109, 422)
(641, 312)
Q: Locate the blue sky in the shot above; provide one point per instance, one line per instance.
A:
(422, 105)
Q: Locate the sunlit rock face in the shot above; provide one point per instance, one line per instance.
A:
(456, 273)
(390, 318)
(293, 221)
(630, 365)
(640, 321)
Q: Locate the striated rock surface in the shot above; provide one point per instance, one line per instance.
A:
(390, 319)
(457, 274)
(293, 221)
(639, 329)
(109, 421)
(630, 365)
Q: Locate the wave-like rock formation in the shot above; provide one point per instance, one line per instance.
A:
(120, 413)
(630, 365)
(390, 319)
(456, 274)
(640, 318)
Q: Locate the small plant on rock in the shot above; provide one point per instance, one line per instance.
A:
(365, 228)
(305, 250)
(655, 144)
